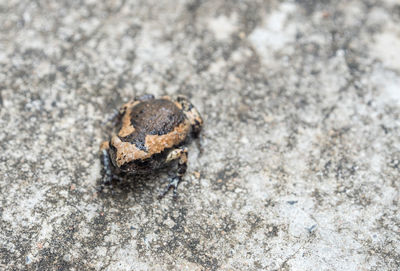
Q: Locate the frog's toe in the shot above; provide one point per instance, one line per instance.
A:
(173, 183)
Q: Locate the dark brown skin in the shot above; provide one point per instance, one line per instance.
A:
(154, 117)
(151, 136)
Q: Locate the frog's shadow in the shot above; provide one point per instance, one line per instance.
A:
(143, 188)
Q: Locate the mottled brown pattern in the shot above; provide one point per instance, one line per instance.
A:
(179, 105)
(127, 127)
(191, 113)
(127, 152)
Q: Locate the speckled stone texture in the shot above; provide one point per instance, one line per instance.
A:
(297, 167)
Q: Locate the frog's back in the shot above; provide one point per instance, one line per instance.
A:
(156, 117)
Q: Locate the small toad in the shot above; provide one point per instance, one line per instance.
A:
(152, 134)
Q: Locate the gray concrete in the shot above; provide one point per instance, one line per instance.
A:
(298, 164)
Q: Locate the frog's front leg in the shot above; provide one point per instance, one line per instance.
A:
(107, 167)
(181, 154)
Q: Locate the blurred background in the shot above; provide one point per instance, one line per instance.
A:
(298, 163)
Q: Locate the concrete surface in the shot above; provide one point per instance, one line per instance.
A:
(298, 165)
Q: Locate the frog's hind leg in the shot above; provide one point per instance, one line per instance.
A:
(181, 154)
(191, 113)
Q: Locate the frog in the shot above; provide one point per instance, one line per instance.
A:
(151, 134)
